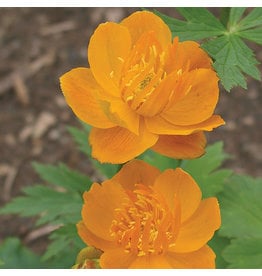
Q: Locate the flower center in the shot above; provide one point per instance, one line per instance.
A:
(144, 224)
(143, 71)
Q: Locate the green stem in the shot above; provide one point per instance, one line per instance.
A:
(179, 162)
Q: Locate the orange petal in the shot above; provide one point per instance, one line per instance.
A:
(181, 146)
(116, 258)
(201, 90)
(151, 261)
(99, 198)
(187, 55)
(202, 258)
(180, 183)
(121, 114)
(119, 145)
(136, 172)
(92, 239)
(158, 100)
(108, 48)
(160, 126)
(142, 22)
(200, 228)
(80, 90)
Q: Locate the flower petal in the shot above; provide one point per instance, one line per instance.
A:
(157, 100)
(121, 114)
(187, 55)
(181, 146)
(136, 172)
(141, 22)
(199, 228)
(80, 90)
(202, 258)
(108, 48)
(159, 125)
(201, 90)
(178, 183)
(99, 198)
(92, 239)
(116, 258)
(119, 145)
(151, 261)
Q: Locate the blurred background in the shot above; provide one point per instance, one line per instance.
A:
(38, 45)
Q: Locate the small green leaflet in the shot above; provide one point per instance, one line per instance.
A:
(199, 24)
(57, 204)
(206, 170)
(47, 204)
(160, 161)
(241, 211)
(241, 208)
(232, 59)
(223, 40)
(64, 239)
(63, 176)
(218, 244)
(13, 255)
(244, 253)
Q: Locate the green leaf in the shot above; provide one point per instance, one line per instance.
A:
(241, 208)
(218, 244)
(253, 19)
(223, 41)
(244, 253)
(63, 176)
(80, 137)
(160, 161)
(49, 205)
(14, 255)
(235, 15)
(232, 57)
(64, 239)
(205, 170)
(200, 24)
(254, 35)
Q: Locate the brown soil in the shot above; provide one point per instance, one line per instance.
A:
(40, 44)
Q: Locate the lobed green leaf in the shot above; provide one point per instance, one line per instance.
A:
(201, 24)
(64, 239)
(254, 35)
(205, 170)
(253, 19)
(232, 57)
(223, 39)
(49, 205)
(160, 161)
(241, 208)
(63, 176)
(14, 255)
(218, 244)
(244, 253)
(235, 15)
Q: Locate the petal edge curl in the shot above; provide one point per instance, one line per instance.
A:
(81, 91)
(119, 145)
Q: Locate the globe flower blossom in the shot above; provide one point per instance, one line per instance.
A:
(142, 218)
(143, 91)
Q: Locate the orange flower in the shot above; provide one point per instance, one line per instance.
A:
(143, 91)
(142, 218)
